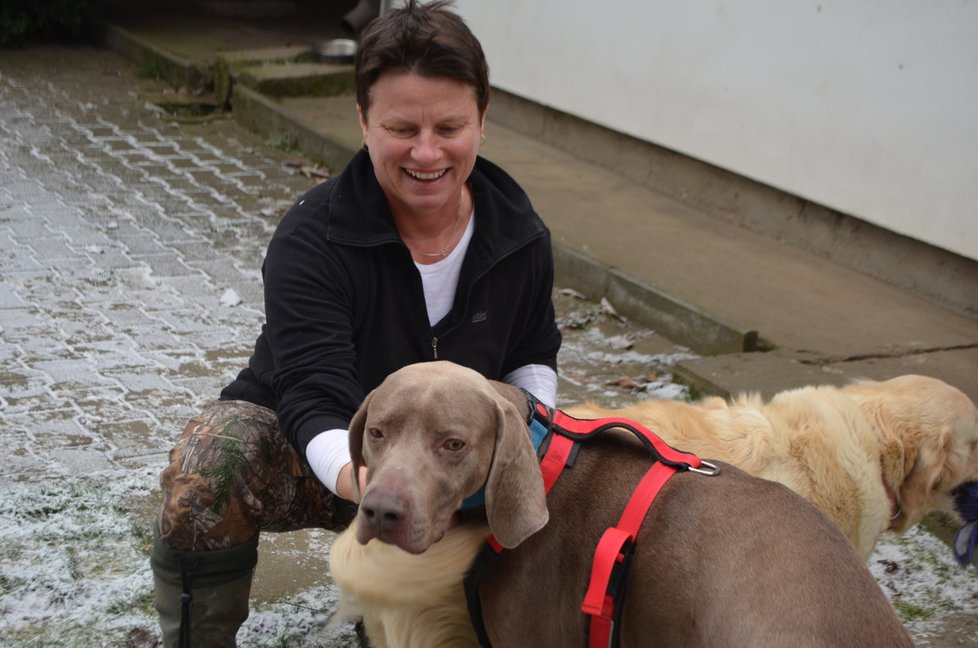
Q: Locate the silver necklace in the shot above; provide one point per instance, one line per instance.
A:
(448, 246)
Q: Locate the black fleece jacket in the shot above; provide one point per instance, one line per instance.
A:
(344, 304)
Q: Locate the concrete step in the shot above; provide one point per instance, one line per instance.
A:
(228, 65)
(297, 79)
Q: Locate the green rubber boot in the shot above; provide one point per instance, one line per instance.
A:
(202, 596)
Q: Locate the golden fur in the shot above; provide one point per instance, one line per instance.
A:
(861, 453)
(408, 600)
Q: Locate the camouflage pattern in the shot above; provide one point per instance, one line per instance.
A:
(232, 474)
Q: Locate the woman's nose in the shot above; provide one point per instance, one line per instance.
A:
(426, 148)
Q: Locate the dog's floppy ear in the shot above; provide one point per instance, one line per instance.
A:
(929, 457)
(516, 502)
(357, 424)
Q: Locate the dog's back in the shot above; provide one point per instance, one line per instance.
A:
(814, 440)
(730, 560)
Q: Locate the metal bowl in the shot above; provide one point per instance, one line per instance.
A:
(337, 50)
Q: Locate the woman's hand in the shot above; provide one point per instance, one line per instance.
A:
(345, 486)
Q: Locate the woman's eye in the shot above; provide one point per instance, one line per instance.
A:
(400, 131)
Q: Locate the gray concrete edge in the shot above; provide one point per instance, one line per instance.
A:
(675, 319)
(264, 116)
(156, 62)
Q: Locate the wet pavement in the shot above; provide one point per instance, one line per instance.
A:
(130, 292)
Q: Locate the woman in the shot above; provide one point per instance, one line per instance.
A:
(418, 250)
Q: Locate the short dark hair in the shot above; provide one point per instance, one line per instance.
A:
(424, 39)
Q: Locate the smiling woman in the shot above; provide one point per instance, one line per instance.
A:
(418, 250)
(423, 135)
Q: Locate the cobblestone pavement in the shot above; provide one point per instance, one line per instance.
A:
(130, 292)
(121, 233)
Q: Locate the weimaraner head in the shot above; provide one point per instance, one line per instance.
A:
(431, 435)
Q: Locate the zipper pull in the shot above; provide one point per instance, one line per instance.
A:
(434, 347)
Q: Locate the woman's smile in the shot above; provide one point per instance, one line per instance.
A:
(426, 176)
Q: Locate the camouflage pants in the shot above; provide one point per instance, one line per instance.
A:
(233, 474)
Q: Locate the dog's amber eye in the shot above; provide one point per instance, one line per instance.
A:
(454, 445)
(375, 434)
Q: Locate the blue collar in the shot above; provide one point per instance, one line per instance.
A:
(538, 432)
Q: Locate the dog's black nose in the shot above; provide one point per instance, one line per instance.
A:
(966, 500)
(384, 511)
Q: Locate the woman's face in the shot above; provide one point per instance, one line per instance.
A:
(423, 134)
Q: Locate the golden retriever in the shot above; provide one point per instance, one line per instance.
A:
(873, 455)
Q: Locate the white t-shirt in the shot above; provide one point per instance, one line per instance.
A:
(440, 279)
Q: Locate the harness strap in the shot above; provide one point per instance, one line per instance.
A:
(582, 429)
(607, 586)
(558, 452)
(471, 586)
(609, 559)
(609, 570)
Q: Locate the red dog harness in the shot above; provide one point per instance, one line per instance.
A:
(609, 569)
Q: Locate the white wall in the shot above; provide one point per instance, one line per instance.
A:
(869, 107)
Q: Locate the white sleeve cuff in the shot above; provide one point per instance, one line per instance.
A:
(539, 380)
(327, 453)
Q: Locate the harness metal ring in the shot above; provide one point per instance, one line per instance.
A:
(710, 471)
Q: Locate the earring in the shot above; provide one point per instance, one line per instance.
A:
(363, 144)
(483, 141)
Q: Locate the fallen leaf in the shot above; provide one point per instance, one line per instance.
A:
(608, 309)
(570, 292)
(625, 382)
(889, 566)
(314, 172)
(620, 343)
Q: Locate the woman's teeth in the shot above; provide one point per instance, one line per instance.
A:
(421, 175)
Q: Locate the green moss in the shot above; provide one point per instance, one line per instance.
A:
(909, 612)
(151, 67)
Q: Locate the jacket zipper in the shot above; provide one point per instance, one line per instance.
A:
(434, 339)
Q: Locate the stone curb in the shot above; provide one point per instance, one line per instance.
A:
(156, 62)
(264, 116)
(678, 321)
